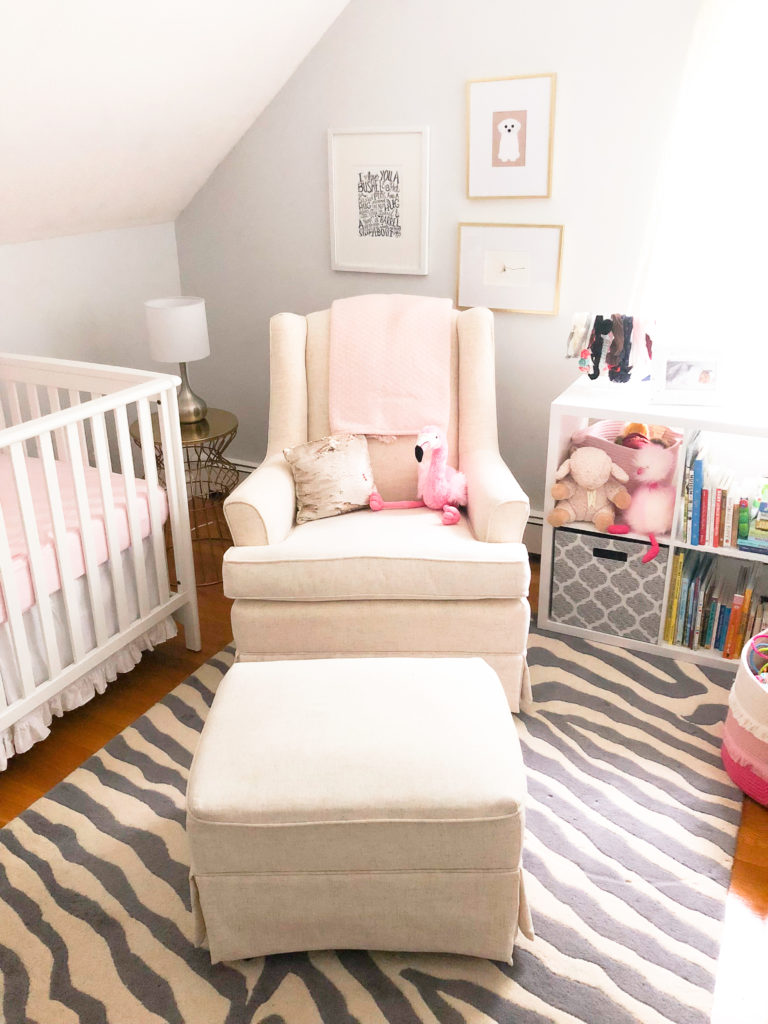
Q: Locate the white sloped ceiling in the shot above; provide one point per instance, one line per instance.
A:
(114, 114)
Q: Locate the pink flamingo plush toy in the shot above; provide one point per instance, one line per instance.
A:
(440, 486)
(653, 502)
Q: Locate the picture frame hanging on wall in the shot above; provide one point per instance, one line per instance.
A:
(510, 135)
(379, 199)
(510, 268)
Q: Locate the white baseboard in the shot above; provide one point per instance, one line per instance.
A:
(245, 466)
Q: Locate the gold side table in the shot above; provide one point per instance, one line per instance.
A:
(210, 478)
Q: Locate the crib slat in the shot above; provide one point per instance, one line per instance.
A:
(101, 450)
(54, 403)
(35, 557)
(129, 480)
(74, 399)
(14, 404)
(177, 494)
(14, 613)
(153, 497)
(66, 575)
(77, 458)
(34, 402)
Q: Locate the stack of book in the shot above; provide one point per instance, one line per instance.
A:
(756, 540)
(707, 609)
(715, 507)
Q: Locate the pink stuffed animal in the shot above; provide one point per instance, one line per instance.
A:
(653, 503)
(440, 486)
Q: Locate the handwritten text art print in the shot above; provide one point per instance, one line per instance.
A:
(379, 200)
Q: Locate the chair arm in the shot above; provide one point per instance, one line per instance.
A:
(261, 509)
(497, 505)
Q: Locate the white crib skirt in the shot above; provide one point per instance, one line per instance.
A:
(35, 725)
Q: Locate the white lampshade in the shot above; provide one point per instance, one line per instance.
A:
(177, 328)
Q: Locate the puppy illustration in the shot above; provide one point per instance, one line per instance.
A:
(509, 143)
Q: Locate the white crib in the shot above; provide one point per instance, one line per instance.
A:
(83, 562)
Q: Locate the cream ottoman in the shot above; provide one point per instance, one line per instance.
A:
(358, 804)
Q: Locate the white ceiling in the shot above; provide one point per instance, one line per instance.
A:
(114, 114)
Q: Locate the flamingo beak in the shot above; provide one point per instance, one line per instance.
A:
(419, 451)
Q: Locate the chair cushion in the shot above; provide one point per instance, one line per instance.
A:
(362, 765)
(390, 555)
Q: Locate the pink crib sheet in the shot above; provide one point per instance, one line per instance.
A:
(22, 575)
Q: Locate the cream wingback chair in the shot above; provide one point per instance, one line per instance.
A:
(389, 583)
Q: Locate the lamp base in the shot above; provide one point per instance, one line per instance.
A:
(192, 408)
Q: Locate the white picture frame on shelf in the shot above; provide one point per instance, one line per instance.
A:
(510, 268)
(510, 135)
(379, 200)
(682, 378)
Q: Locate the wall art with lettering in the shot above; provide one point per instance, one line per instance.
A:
(379, 192)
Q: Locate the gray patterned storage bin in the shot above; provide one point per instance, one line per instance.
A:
(599, 582)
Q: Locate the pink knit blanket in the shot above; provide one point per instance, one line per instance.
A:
(390, 364)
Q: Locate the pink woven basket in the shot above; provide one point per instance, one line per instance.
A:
(603, 434)
(745, 778)
(745, 737)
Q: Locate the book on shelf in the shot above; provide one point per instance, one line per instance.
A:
(703, 600)
(682, 597)
(736, 606)
(749, 597)
(756, 616)
(712, 612)
(673, 598)
(703, 513)
(723, 516)
(722, 627)
(756, 541)
(697, 485)
(754, 545)
(713, 603)
(686, 505)
(734, 523)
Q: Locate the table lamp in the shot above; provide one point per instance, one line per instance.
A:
(178, 333)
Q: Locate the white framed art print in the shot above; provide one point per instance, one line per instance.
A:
(510, 268)
(510, 131)
(379, 200)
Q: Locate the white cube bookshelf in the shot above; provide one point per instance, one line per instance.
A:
(585, 402)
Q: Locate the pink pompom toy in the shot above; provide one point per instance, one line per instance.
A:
(440, 486)
(652, 508)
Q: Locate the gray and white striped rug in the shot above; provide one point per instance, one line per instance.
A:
(631, 827)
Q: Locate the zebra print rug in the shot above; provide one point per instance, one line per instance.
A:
(631, 826)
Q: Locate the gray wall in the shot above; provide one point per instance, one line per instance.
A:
(255, 240)
(81, 297)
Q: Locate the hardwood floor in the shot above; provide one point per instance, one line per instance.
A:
(740, 994)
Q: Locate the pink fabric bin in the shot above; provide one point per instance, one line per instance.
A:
(745, 737)
(603, 434)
